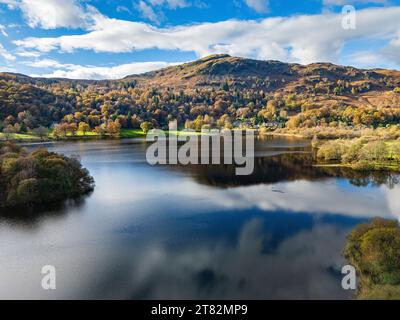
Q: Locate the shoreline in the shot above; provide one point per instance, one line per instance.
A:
(137, 133)
(378, 167)
(288, 135)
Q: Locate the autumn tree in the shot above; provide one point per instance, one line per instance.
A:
(113, 128)
(41, 132)
(146, 126)
(9, 131)
(83, 127)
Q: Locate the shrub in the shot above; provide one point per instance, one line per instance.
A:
(332, 150)
(374, 250)
(375, 151)
(353, 151)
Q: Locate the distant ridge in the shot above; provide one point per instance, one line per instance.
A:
(270, 75)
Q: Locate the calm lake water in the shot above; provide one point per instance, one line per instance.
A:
(197, 232)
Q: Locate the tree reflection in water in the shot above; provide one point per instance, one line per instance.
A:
(31, 217)
(286, 167)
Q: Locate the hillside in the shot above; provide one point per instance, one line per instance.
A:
(212, 69)
(371, 87)
(216, 91)
(217, 67)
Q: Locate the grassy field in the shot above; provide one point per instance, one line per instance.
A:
(181, 133)
(132, 133)
(125, 133)
(19, 137)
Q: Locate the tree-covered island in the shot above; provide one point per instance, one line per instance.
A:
(39, 177)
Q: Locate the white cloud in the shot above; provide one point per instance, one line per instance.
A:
(73, 71)
(260, 6)
(122, 9)
(10, 3)
(172, 4)
(304, 38)
(148, 12)
(28, 54)
(347, 2)
(392, 50)
(153, 9)
(3, 30)
(44, 63)
(5, 54)
(51, 14)
(370, 59)
(7, 69)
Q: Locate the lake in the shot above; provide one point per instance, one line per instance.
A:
(194, 232)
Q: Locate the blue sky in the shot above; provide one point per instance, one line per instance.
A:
(98, 39)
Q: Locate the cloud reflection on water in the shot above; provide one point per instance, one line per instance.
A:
(303, 266)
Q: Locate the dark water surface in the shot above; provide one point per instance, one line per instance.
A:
(194, 232)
